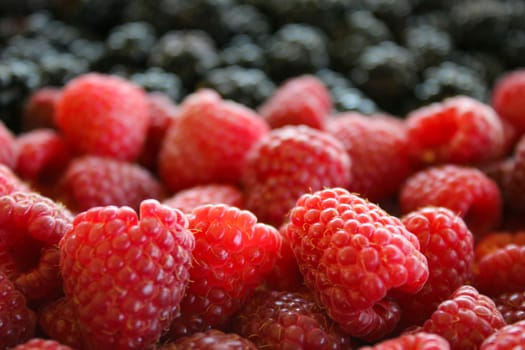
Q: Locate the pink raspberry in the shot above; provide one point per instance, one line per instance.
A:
(509, 337)
(508, 98)
(103, 115)
(10, 182)
(212, 339)
(413, 341)
(190, 198)
(41, 344)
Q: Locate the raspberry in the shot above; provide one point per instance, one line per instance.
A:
(512, 182)
(190, 198)
(103, 115)
(501, 271)
(465, 319)
(58, 321)
(288, 162)
(508, 96)
(91, 181)
(10, 182)
(351, 254)
(300, 100)
(41, 344)
(209, 142)
(511, 336)
(42, 155)
(17, 321)
(126, 276)
(32, 225)
(459, 130)
(286, 320)
(40, 108)
(378, 149)
(210, 340)
(448, 246)
(7, 147)
(465, 190)
(495, 240)
(232, 257)
(415, 341)
(511, 306)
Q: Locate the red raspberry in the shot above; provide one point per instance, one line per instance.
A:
(232, 257)
(352, 253)
(7, 147)
(103, 115)
(495, 240)
(42, 344)
(17, 321)
(10, 182)
(465, 319)
(289, 162)
(212, 339)
(508, 98)
(378, 149)
(59, 322)
(32, 225)
(40, 108)
(448, 246)
(209, 141)
(125, 276)
(299, 100)
(465, 190)
(510, 337)
(42, 155)
(502, 271)
(414, 341)
(91, 181)
(511, 306)
(458, 130)
(512, 181)
(286, 320)
(190, 198)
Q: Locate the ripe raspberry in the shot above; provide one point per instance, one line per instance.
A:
(415, 341)
(501, 271)
(17, 321)
(232, 257)
(32, 225)
(352, 253)
(285, 274)
(103, 115)
(496, 240)
(212, 339)
(209, 142)
(40, 108)
(10, 182)
(286, 320)
(465, 190)
(42, 155)
(289, 162)
(300, 100)
(459, 130)
(190, 198)
(448, 246)
(465, 319)
(511, 306)
(42, 344)
(91, 181)
(7, 147)
(125, 276)
(378, 149)
(508, 98)
(512, 182)
(59, 322)
(509, 337)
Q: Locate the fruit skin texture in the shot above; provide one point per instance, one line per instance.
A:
(288, 162)
(209, 142)
(103, 115)
(459, 130)
(190, 198)
(508, 98)
(126, 276)
(299, 100)
(287, 320)
(511, 305)
(10, 182)
(511, 336)
(58, 321)
(448, 246)
(465, 190)
(41, 344)
(210, 340)
(233, 255)
(415, 341)
(465, 319)
(351, 254)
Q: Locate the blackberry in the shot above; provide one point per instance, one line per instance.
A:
(24, 48)
(244, 19)
(91, 51)
(247, 86)
(392, 12)
(43, 25)
(488, 66)
(447, 80)
(187, 53)
(243, 51)
(429, 44)
(513, 48)
(296, 49)
(22, 7)
(439, 19)
(130, 43)
(157, 80)
(58, 68)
